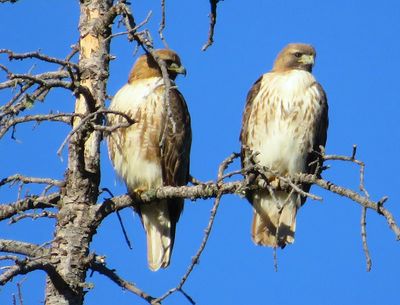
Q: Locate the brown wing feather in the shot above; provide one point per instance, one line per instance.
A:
(255, 89)
(314, 159)
(175, 153)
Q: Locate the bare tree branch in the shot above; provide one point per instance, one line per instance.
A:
(134, 29)
(363, 222)
(23, 179)
(209, 190)
(50, 83)
(34, 216)
(19, 287)
(9, 257)
(354, 196)
(364, 238)
(99, 266)
(23, 99)
(8, 210)
(25, 266)
(38, 78)
(162, 24)
(92, 115)
(24, 248)
(58, 117)
(38, 55)
(195, 260)
(213, 21)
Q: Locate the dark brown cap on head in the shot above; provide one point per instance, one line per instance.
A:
(295, 56)
(146, 66)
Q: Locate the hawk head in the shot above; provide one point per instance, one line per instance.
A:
(295, 56)
(146, 66)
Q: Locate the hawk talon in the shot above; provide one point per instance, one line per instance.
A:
(139, 191)
(274, 182)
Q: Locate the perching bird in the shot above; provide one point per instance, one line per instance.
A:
(155, 150)
(285, 122)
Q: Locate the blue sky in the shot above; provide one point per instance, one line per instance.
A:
(357, 64)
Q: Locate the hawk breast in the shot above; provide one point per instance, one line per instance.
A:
(282, 122)
(135, 150)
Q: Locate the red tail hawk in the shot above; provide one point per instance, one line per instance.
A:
(285, 121)
(155, 150)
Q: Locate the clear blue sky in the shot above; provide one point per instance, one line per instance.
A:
(357, 64)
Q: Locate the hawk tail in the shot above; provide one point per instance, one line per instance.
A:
(274, 220)
(160, 232)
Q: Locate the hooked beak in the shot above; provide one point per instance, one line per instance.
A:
(177, 69)
(307, 59)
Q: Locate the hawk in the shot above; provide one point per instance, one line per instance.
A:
(284, 124)
(154, 151)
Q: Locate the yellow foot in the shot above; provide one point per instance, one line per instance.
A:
(139, 190)
(274, 182)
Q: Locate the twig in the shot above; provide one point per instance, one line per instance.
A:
(363, 211)
(134, 29)
(25, 180)
(38, 78)
(195, 181)
(25, 266)
(355, 197)
(88, 117)
(167, 84)
(33, 216)
(19, 288)
(299, 190)
(364, 238)
(275, 258)
(9, 257)
(24, 248)
(46, 83)
(128, 242)
(38, 55)
(59, 117)
(8, 210)
(162, 24)
(213, 21)
(101, 268)
(195, 260)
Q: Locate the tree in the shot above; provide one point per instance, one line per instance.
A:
(76, 202)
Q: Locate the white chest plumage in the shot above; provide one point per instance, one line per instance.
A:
(283, 120)
(135, 150)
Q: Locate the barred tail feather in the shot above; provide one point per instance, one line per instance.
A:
(160, 234)
(274, 220)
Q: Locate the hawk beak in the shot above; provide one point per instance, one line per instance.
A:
(177, 69)
(307, 59)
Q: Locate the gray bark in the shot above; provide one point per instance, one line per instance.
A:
(74, 228)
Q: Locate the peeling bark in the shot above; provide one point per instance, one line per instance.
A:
(74, 231)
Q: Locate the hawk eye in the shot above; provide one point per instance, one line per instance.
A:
(297, 54)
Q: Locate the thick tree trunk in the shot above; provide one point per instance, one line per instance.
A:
(74, 229)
